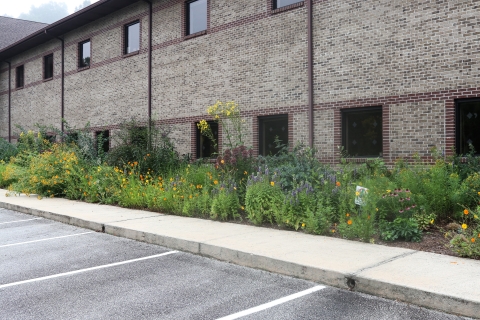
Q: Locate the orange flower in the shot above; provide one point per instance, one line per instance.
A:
(349, 222)
(465, 211)
(348, 214)
(338, 184)
(472, 240)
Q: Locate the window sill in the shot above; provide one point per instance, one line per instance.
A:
(289, 7)
(134, 53)
(48, 79)
(194, 35)
(362, 160)
(83, 68)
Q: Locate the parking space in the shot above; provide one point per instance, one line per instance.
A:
(49, 270)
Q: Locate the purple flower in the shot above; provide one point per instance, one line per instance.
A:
(407, 208)
(401, 211)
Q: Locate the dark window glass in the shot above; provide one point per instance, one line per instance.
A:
(48, 66)
(468, 126)
(102, 137)
(72, 137)
(84, 54)
(132, 37)
(283, 3)
(196, 16)
(205, 146)
(51, 138)
(20, 77)
(362, 132)
(272, 128)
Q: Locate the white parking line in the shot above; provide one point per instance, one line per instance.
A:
(272, 304)
(19, 243)
(84, 270)
(20, 221)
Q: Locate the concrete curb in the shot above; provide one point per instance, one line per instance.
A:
(354, 282)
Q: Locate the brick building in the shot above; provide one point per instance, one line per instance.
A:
(379, 77)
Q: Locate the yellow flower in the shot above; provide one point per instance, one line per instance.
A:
(465, 211)
(348, 214)
(388, 191)
(215, 182)
(164, 199)
(272, 183)
(243, 208)
(432, 221)
(357, 193)
(464, 226)
(303, 225)
(376, 209)
(479, 193)
(333, 230)
(222, 162)
(245, 172)
(349, 222)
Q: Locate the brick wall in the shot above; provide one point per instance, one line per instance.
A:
(412, 58)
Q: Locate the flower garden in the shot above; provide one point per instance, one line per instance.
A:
(290, 189)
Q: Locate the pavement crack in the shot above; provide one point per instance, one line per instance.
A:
(133, 219)
(383, 262)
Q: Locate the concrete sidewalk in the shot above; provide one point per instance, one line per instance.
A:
(431, 280)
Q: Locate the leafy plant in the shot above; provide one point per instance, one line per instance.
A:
(401, 229)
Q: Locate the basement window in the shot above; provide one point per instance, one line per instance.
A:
(132, 37)
(48, 67)
(467, 124)
(196, 16)
(20, 77)
(102, 139)
(362, 132)
(84, 54)
(271, 129)
(205, 146)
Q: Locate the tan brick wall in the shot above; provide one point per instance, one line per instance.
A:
(377, 50)
(380, 48)
(416, 128)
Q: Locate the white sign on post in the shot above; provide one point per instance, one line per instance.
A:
(360, 194)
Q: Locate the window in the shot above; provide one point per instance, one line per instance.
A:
(51, 138)
(132, 37)
(48, 66)
(362, 132)
(84, 54)
(205, 146)
(277, 4)
(20, 77)
(270, 129)
(468, 122)
(196, 16)
(72, 137)
(103, 141)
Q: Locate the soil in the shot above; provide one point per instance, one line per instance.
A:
(433, 240)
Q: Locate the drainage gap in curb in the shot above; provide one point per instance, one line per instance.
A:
(103, 228)
(351, 283)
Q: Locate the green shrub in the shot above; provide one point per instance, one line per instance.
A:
(264, 198)
(225, 205)
(149, 146)
(7, 150)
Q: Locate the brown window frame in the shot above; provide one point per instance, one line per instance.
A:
(186, 20)
(20, 80)
(80, 55)
(461, 147)
(262, 150)
(125, 38)
(45, 67)
(345, 114)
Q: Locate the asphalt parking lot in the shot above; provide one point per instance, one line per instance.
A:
(50, 270)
